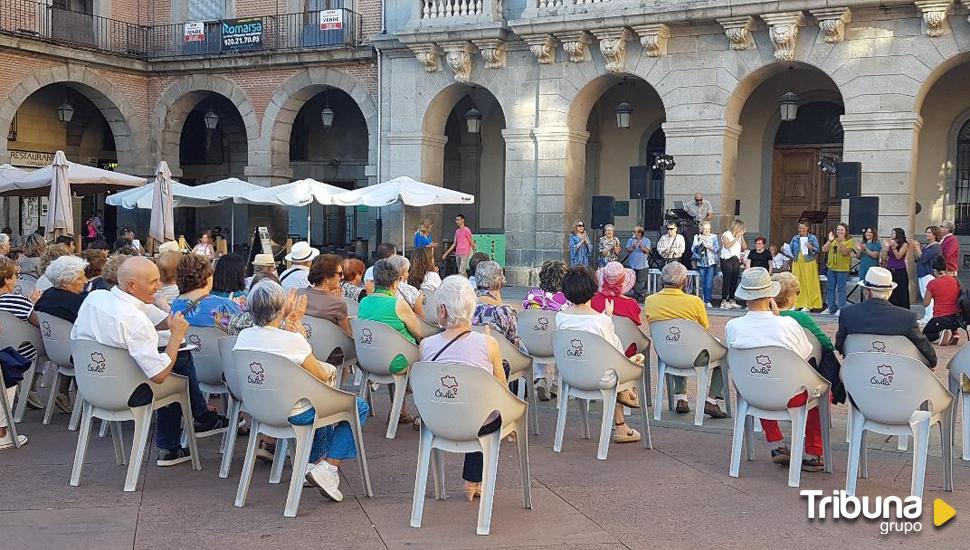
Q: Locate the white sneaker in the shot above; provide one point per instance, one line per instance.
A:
(806, 310)
(6, 442)
(708, 305)
(725, 305)
(327, 479)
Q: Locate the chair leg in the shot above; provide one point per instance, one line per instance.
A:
(669, 385)
(49, 411)
(304, 439)
(229, 445)
(139, 440)
(421, 477)
(799, 415)
(7, 408)
(661, 380)
(76, 414)
(848, 425)
(738, 439)
(533, 401)
(825, 417)
(645, 390)
(966, 425)
(523, 448)
(703, 388)
(584, 407)
(400, 391)
(246, 477)
(726, 388)
(749, 424)
(103, 430)
(118, 441)
(82, 445)
(561, 418)
(902, 442)
(921, 437)
(559, 383)
(606, 425)
(279, 459)
(361, 454)
(490, 449)
(22, 392)
(946, 436)
(189, 428)
(439, 473)
(857, 451)
(645, 421)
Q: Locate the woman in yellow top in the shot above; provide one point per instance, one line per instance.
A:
(839, 248)
(804, 247)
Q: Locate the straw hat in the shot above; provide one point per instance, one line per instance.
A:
(302, 252)
(614, 279)
(879, 278)
(264, 260)
(169, 246)
(755, 284)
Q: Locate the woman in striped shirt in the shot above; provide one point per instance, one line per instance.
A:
(12, 302)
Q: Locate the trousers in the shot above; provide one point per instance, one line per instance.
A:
(335, 441)
(813, 427)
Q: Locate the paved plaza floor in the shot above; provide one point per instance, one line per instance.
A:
(678, 495)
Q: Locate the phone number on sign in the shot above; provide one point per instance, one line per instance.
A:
(241, 40)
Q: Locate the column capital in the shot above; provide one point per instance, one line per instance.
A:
(575, 44)
(560, 133)
(934, 14)
(738, 31)
(653, 38)
(417, 138)
(906, 120)
(700, 128)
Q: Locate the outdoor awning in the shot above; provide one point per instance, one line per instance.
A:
(83, 179)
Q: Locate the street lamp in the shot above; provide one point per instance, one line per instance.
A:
(211, 120)
(789, 106)
(326, 114)
(473, 118)
(624, 112)
(65, 112)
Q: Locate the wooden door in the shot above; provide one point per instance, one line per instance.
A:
(799, 185)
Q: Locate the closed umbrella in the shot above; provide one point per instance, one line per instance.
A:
(60, 211)
(162, 227)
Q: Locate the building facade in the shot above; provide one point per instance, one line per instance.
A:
(880, 83)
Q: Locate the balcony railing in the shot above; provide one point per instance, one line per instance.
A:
(285, 32)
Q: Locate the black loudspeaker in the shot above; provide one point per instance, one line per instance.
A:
(848, 179)
(602, 211)
(863, 213)
(737, 207)
(640, 181)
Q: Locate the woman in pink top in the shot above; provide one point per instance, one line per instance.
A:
(459, 344)
(464, 245)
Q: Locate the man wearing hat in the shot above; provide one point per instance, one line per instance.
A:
(262, 263)
(761, 327)
(168, 246)
(297, 276)
(877, 316)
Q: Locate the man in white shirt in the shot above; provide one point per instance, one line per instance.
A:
(124, 317)
(763, 326)
(297, 275)
(384, 251)
(671, 245)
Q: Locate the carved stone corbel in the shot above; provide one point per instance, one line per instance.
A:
(427, 55)
(613, 47)
(459, 58)
(934, 14)
(494, 51)
(738, 31)
(783, 30)
(575, 44)
(653, 38)
(832, 23)
(543, 46)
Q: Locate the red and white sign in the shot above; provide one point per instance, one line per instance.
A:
(331, 20)
(195, 31)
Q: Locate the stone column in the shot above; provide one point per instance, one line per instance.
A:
(520, 203)
(560, 188)
(422, 157)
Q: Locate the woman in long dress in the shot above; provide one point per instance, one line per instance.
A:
(897, 249)
(805, 247)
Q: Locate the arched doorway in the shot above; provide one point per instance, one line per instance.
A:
(653, 145)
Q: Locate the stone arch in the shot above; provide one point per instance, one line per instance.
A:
(115, 107)
(272, 149)
(583, 101)
(752, 80)
(179, 98)
(935, 75)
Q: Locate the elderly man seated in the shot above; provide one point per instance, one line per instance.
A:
(763, 326)
(124, 317)
(877, 316)
(673, 303)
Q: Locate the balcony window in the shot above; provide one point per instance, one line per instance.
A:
(206, 10)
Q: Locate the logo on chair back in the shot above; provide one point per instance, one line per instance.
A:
(449, 387)
(879, 345)
(542, 324)
(97, 363)
(883, 377)
(195, 341)
(673, 334)
(256, 375)
(46, 327)
(576, 348)
(309, 331)
(763, 366)
(366, 336)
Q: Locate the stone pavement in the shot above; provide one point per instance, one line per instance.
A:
(677, 495)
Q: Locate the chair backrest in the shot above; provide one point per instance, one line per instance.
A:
(583, 358)
(517, 360)
(679, 342)
(889, 387)
(428, 329)
(769, 377)
(325, 337)
(226, 343)
(16, 332)
(207, 360)
(430, 306)
(455, 399)
(56, 333)
(959, 366)
(377, 345)
(816, 345)
(352, 307)
(535, 329)
(105, 376)
(863, 343)
(25, 285)
(629, 333)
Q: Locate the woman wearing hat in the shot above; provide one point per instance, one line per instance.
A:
(297, 276)
(262, 263)
(615, 281)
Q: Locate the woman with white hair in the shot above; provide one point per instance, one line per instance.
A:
(609, 246)
(459, 344)
(491, 310)
(409, 293)
(278, 329)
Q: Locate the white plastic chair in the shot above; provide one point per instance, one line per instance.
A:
(15, 333)
(430, 307)
(106, 378)
(679, 343)
(535, 329)
(631, 334)
(765, 380)
(56, 333)
(208, 361)
(325, 337)
(521, 366)
(271, 386)
(584, 359)
(816, 346)
(959, 369)
(352, 307)
(377, 345)
(454, 401)
(893, 394)
(7, 407)
(25, 285)
(235, 405)
(428, 329)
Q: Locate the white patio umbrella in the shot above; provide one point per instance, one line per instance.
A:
(298, 193)
(83, 179)
(60, 210)
(142, 197)
(10, 173)
(408, 191)
(226, 189)
(162, 226)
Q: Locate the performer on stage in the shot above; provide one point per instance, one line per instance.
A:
(700, 209)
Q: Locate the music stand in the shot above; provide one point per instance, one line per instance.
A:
(814, 218)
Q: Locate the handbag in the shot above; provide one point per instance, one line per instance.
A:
(13, 366)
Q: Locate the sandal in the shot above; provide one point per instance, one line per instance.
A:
(624, 398)
(627, 435)
(813, 464)
(781, 455)
(416, 424)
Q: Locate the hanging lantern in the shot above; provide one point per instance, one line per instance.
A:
(65, 112)
(326, 115)
(789, 106)
(473, 118)
(624, 113)
(211, 120)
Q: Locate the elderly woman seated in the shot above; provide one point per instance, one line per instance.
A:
(269, 308)
(22, 308)
(64, 298)
(196, 303)
(52, 253)
(549, 297)
(411, 295)
(458, 344)
(96, 260)
(491, 310)
(352, 283)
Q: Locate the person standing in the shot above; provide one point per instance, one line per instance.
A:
(671, 246)
(732, 245)
(870, 252)
(896, 250)
(839, 248)
(804, 247)
(925, 255)
(579, 246)
(700, 210)
(422, 237)
(638, 248)
(463, 246)
(760, 256)
(706, 249)
(609, 246)
(951, 247)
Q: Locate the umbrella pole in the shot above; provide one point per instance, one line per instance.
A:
(308, 221)
(232, 227)
(404, 241)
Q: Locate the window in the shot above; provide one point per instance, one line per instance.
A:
(206, 10)
(962, 184)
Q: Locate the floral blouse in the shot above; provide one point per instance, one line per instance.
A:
(608, 249)
(352, 291)
(540, 299)
(502, 320)
(203, 312)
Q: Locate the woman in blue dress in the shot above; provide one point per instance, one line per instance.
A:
(579, 246)
(422, 237)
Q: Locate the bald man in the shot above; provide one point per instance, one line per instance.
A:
(124, 317)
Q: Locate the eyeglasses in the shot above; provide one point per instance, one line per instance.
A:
(671, 229)
(580, 225)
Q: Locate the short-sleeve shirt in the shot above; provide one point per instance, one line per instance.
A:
(421, 241)
(674, 303)
(946, 295)
(596, 324)
(463, 241)
(324, 305)
(295, 278)
(283, 343)
(622, 306)
(638, 259)
(760, 259)
(20, 308)
(838, 262)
